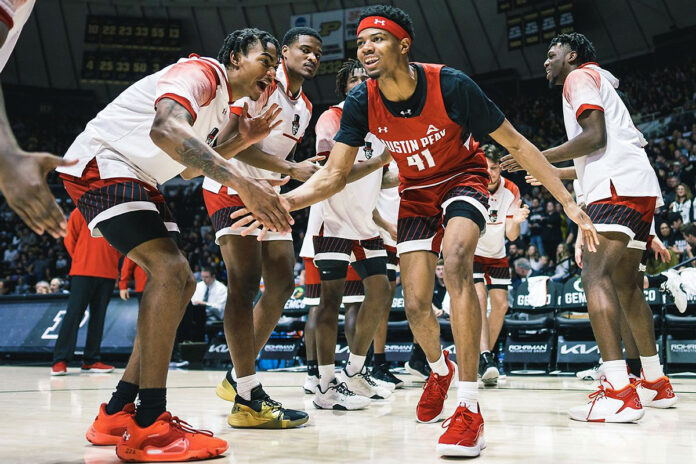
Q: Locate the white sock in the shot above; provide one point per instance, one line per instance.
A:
(439, 367)
(652, 370)
(467, 395)
(234, 375)
(355, 364)
(246, 384)
(326, 375)
(616, 373)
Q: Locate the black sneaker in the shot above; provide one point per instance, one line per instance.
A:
(417, 368)
(488, 369)
(261, 412)
(381, 372)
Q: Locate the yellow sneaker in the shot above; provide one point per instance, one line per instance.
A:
(261, 412)
(227, 389)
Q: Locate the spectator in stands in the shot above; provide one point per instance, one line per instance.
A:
(551, 228)
(56, 286)
(676, 238)
(4, 287)
(522, 271)
(212, 293)
(536, 220)
(563, 263)
(93, 276)
(545, 267)
(42, 288)
(440, 290)
(670, 192)
(689, 233)
(534, 259)
(683, 203)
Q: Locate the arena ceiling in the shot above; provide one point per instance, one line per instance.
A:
(467, 34)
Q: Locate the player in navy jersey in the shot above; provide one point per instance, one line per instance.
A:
(430, 116)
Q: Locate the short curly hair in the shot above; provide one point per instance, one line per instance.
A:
(492, 152)
(578, 43)
(347, 69)
(397, 15)
(242, 40)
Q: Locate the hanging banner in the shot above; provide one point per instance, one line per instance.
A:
(329, 25)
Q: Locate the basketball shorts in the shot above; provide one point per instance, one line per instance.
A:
(333, 254)
(126, 212)
(220, 205)
(629, 215)
(494, 272)
(424, 212)
(392, 263)
(353, 291)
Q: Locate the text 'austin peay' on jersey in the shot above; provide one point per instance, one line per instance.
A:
(432, 135)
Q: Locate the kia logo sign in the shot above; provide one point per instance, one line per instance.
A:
(578, 348)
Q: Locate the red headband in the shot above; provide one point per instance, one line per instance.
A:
(388, 25)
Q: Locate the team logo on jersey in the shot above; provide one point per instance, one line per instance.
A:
(210, 140)
(381, 129)
(296, 124)
(406, 113)
(431, 129)
(493, 215)
(368, 150)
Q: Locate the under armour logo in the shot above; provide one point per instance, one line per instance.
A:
(382, 129)
(406, 113)
(380, 21)
(431, 129)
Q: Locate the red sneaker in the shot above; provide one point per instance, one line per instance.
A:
(168, 439)
(464, 435)
(432, 400)
(108, 429)
(97, 367)
(59, 368)
(657, 394)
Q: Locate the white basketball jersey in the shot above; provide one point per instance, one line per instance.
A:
(313, 228)
(623, 162)
(295, 115)
(348, 214)
(388, 206)
(19, 11)
(119, 136)
(500, 209)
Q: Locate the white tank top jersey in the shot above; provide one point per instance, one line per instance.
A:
(500, 209)
(295, 115)
(19, 11)
(348, 214)
(388, 206)
(313, 227)
(119, 136)
(623, 161)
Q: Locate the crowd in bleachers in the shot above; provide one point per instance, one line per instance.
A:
(545, 246)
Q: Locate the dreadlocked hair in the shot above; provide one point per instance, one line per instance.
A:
(492, 152)
(397, 15)
(347, 69)
(579, 44)
(241, 40)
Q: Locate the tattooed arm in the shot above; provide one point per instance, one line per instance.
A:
(171, 131)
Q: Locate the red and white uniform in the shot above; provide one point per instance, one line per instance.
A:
(388, 208)
(621, 189)
(490, 262)
(116, 146)
(14, 13)
(296, 112)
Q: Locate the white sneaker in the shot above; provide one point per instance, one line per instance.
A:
(363, 384)
(673, 287)
(311, 384)
(590, 374)
(657, 394)
(609, 405)
(386, 385)
(338, 396)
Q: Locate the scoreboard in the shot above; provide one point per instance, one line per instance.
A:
(121, 50)
(538, 25)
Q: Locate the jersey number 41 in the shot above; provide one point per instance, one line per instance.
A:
(417, 160)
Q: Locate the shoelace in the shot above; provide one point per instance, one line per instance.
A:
(343, 388)
(459, 421)
(366, 375)
(186, 427)
(599, 394)
(433, 388)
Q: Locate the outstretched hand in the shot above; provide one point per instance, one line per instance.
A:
(590, 239)
(23, 181)
(304, 169)
(510, 164)
(519, 212)
(264, 205)
(254, 129)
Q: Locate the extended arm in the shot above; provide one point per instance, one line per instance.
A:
(592, 138)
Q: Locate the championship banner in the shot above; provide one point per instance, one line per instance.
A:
(548, 24)
(514, 28)
(531, 28)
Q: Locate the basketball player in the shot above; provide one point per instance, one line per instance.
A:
(156, 129)
(247, 328)
(491, 267)
(621, 191)
(428, 116)
(349, 235)
(23, 174)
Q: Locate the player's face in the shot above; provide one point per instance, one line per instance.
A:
(256, 69)
(358, 77)
(303, 55)
(378, 51)
(494, 172)
(555, 64)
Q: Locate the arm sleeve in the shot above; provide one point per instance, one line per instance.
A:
(192, 84)
(354, 121)
(581, 91)
(74, 225)
(467, 105)
(326, 128)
